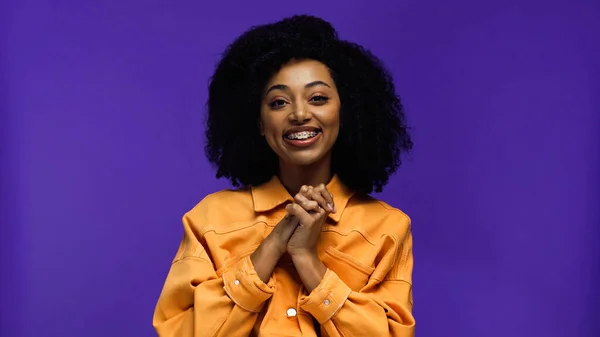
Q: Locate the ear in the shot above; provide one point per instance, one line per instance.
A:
(261, 129)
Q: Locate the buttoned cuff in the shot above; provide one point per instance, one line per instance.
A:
(327, 298)
(244, 287)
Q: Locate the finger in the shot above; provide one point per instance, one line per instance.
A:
(289, 208)
(318, 198)
(306, 203)
(304, 218)
(323, 220)
(308, 192)
(326, 194)
(324, 198)
(321, 212)
(289, 219)
(287, 226)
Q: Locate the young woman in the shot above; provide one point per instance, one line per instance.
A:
(305, 125)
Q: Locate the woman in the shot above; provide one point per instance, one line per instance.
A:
(306, 125)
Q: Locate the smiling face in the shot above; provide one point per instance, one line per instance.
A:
(300, 113)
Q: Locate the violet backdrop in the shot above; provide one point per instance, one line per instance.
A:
(102, 154)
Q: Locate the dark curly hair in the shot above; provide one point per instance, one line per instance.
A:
(373, 132)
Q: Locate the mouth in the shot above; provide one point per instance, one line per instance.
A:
(302, 137)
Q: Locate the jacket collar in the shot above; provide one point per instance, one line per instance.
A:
(271, 194)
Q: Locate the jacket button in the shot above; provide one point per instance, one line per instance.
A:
(291, 312)
(236, 282)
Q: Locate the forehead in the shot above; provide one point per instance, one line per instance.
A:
(301, 72)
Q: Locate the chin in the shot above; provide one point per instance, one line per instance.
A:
(304, 159)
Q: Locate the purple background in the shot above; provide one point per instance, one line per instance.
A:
(102, 154)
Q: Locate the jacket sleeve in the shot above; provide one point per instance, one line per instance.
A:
(381, 308)
(197, 301)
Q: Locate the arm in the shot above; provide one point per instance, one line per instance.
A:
(381, 308)
(310, 269)
(272, 248)
(197, 301)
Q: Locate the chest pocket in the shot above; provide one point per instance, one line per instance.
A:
(227, 245)
(354, 273)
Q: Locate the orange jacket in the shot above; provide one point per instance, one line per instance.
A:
(212, 288)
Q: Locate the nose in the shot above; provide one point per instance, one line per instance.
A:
(300, 115)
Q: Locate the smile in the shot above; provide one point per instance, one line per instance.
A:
(302, 138)
(302, 135)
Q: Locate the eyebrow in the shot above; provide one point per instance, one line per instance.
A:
(286, 88)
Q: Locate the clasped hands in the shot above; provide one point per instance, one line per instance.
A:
(298, 233)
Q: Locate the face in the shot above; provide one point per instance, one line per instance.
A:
(300, 113)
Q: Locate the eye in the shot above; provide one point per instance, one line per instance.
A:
(277, 104)
(319, 99)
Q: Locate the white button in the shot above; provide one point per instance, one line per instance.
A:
(291, 312)
(326, 302)
(236, 282)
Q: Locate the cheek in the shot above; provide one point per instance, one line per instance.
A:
(266, 124)
(333, 120)
(270, 130)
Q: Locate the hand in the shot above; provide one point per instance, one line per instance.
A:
(311, 206)
(265, 257)
(282, 232)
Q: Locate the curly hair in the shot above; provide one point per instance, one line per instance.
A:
(373, 131)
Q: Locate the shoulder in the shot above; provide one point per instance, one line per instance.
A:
(225, 198)
(376, 217)
(222, 207)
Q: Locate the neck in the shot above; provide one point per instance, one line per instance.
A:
(294, 176)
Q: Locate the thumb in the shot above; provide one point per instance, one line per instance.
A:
(291, 212)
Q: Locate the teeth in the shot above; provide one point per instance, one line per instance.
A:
(301, 135)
